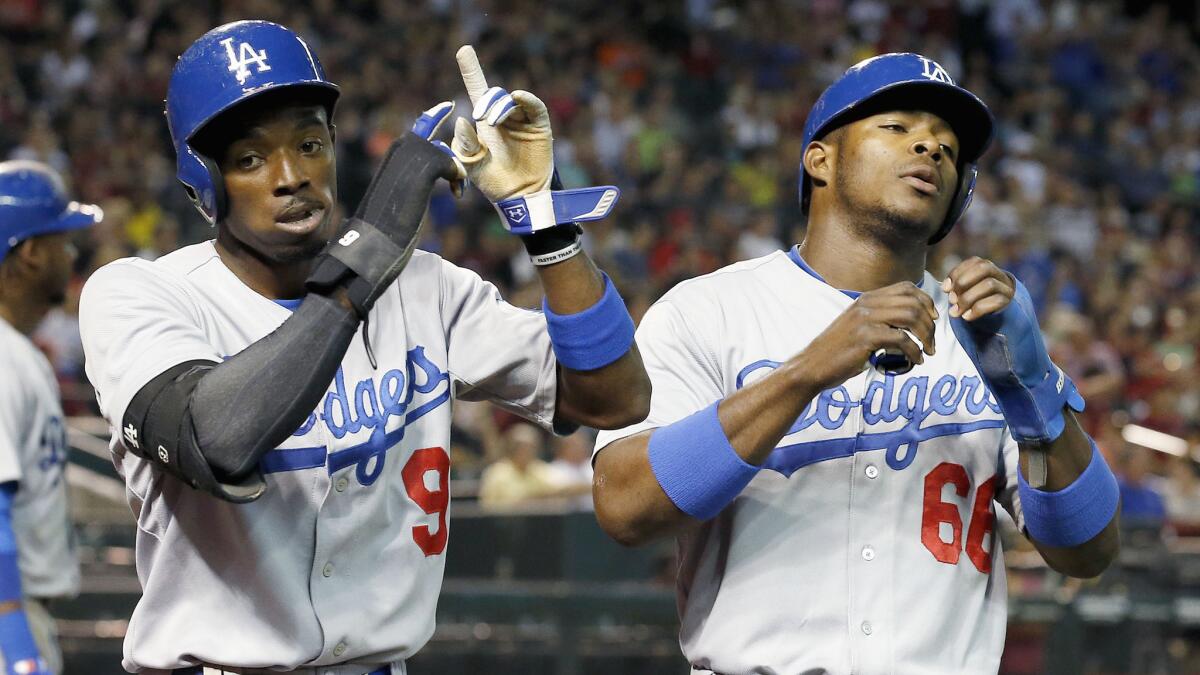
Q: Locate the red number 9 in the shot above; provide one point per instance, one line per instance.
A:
(431, 501)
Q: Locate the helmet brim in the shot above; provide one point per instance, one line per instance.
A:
(327, 92)
(963, 111)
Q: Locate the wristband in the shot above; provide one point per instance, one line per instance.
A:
(573, 249)
(696, 466)
(546, 247)
(1076, 513)
(595, 337)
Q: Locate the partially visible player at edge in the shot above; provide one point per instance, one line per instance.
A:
(280, 396)
(834, 510)
(37, 552)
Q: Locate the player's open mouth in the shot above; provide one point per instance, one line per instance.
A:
(922, 179)
(922, 186)
(301, 220)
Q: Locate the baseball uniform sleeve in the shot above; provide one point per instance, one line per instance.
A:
(136, 323)
(497, 352)
(682, 368)
(1006, 493)
(13, 423)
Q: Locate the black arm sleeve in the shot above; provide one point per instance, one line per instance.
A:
(209, 423)
(255, 400)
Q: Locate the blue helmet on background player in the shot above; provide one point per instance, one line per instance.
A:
(223, 68)
(33, 201)
(897, 77)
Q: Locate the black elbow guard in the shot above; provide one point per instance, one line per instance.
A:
(157, 427)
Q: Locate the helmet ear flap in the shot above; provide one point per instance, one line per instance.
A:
(958, 205)
(219, 199)
(203, 183)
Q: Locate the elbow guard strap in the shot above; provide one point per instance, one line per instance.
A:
(157, 426)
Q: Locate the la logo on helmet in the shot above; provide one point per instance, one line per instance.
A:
(244, 56)
(933, 71)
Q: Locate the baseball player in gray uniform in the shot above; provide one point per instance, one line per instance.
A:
(832, 426)
(280, 396)
(37, 554)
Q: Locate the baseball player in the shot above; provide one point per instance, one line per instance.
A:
(834, 507)
(37, 553)
(280, 396)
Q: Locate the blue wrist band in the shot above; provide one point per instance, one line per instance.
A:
(1076, 513)
(696, 466)
(595, 337)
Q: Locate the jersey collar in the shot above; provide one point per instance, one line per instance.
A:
(290, 305)
(794, 254)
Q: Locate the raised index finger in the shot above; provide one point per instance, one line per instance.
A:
(472, 73)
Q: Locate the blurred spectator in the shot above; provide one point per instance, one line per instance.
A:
(521, 476)
(1182, 495)
(1091, 362)
(571, 470)
(1142, 501)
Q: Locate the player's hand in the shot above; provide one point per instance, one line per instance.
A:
(427, 126)
(887, 318)
(978, 288)
(508, 152)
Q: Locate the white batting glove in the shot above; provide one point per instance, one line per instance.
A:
(509, 155)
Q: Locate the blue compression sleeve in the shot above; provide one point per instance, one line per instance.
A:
(16, 641)
(1076, 513)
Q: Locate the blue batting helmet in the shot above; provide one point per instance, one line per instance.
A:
(33, 201)
(224, 67)
(905, 74)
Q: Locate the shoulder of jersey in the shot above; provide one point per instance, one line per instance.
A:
(181, 260)
(730, 283)
(422, 260)
(169, 270)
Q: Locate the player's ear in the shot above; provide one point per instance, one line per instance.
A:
(819, 158)
(23, 259)
(332, 133)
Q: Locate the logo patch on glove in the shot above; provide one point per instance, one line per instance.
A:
(516, 213)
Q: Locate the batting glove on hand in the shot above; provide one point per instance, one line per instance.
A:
(509, 155)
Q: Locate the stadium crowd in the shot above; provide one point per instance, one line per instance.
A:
(695, 108)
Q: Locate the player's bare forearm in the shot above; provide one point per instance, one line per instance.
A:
(1066, 459)
(632, 507)
(610, 397)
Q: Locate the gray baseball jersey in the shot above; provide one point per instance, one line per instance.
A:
(867, 543)
(33, 452)
(341, 560)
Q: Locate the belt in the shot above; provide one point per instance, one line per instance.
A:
(211, 670)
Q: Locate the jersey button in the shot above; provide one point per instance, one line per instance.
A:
(872, 471)
(868, 553)
(327, 570)
(339, 649)
(341, 484)
(866, 628)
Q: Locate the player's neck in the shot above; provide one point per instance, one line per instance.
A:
(23, 314)
(268, 278)
(851, 262)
